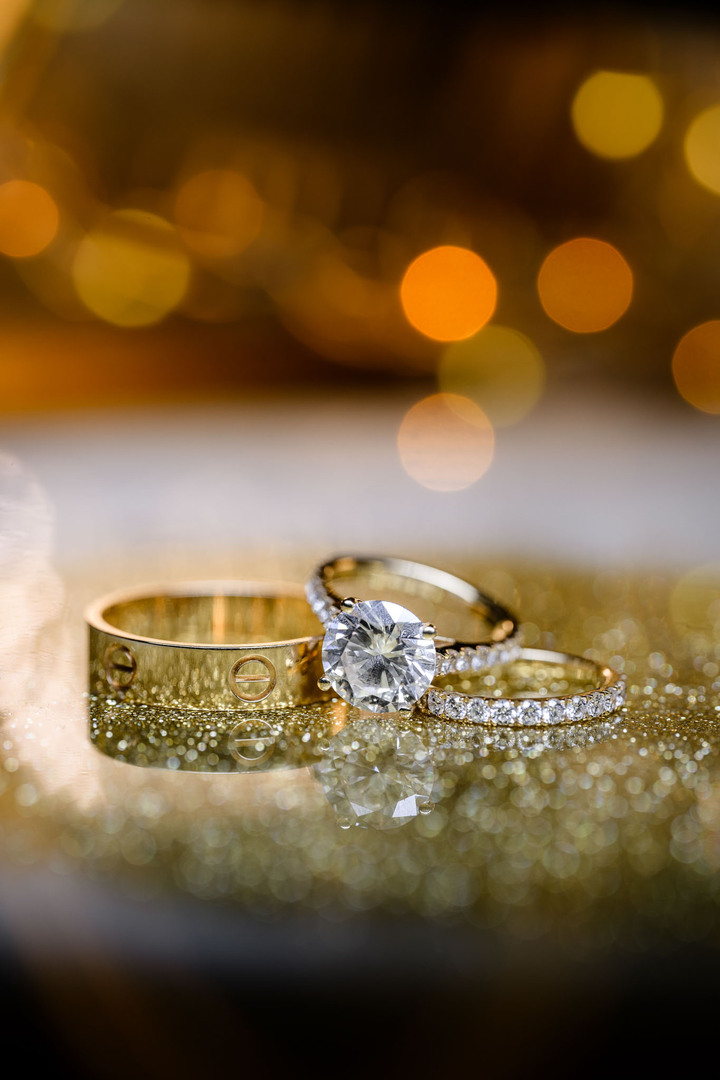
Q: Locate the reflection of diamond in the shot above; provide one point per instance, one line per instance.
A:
(376, 657)
(376, 777)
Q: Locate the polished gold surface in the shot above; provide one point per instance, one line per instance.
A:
(593, 832)
(206, 645)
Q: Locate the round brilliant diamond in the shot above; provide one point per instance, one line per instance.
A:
(377, 658)
(455, 707)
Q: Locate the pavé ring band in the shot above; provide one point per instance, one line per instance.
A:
(206, 645)
(378, 655)
(549, 700)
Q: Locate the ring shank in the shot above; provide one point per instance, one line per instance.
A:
(414, 578)
(495, 629)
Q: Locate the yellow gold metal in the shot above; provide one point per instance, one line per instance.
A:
(348, 603)
(245, 671)
(206, 645)
(153, 736)
(429, 631)
(120, 666)
(324, 683)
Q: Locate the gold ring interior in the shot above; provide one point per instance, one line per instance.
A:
(535, 674)
(212, 620)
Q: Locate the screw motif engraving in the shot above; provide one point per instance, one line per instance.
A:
(252, 678)
(120, 666)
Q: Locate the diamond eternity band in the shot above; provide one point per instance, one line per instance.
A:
(605, 698)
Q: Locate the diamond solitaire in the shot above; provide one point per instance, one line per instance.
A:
(490, 634)
(378, 656)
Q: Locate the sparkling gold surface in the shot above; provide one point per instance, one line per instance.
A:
(592, 831)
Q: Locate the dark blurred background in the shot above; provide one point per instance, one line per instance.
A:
(422, 222)
(196, 198)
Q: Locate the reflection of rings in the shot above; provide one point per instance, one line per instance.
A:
(530, 741)
(380, 656)
(544, 695)
(214, 741)
(206, 645)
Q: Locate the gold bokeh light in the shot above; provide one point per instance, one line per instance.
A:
(617, 114)
(218, 213)
(585, 285)
(28, 219)
(696, 367)
(446, 442)
(702, 148)
(499, 368)
(131, 270)
(448, 293)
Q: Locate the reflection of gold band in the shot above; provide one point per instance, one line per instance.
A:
(178, 646)
(191, 740)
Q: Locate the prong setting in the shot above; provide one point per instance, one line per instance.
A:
(348, 603)
(324, 683)
(429, 632)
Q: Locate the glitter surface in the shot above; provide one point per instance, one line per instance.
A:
(591, 831)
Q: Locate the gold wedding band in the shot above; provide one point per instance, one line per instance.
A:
(204, 645)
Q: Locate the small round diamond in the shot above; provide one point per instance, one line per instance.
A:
(529, 712)
(503, 713)
(595, 704)
(377, 658)
(608, 702)
(554, 712)
(478, 710)
(576, 709)
(455, 707)
(480, 658)
(435, 703)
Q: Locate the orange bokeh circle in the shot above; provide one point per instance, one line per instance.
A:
(696, 367)
(585, 285)
(29, 219)
(448, 293)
